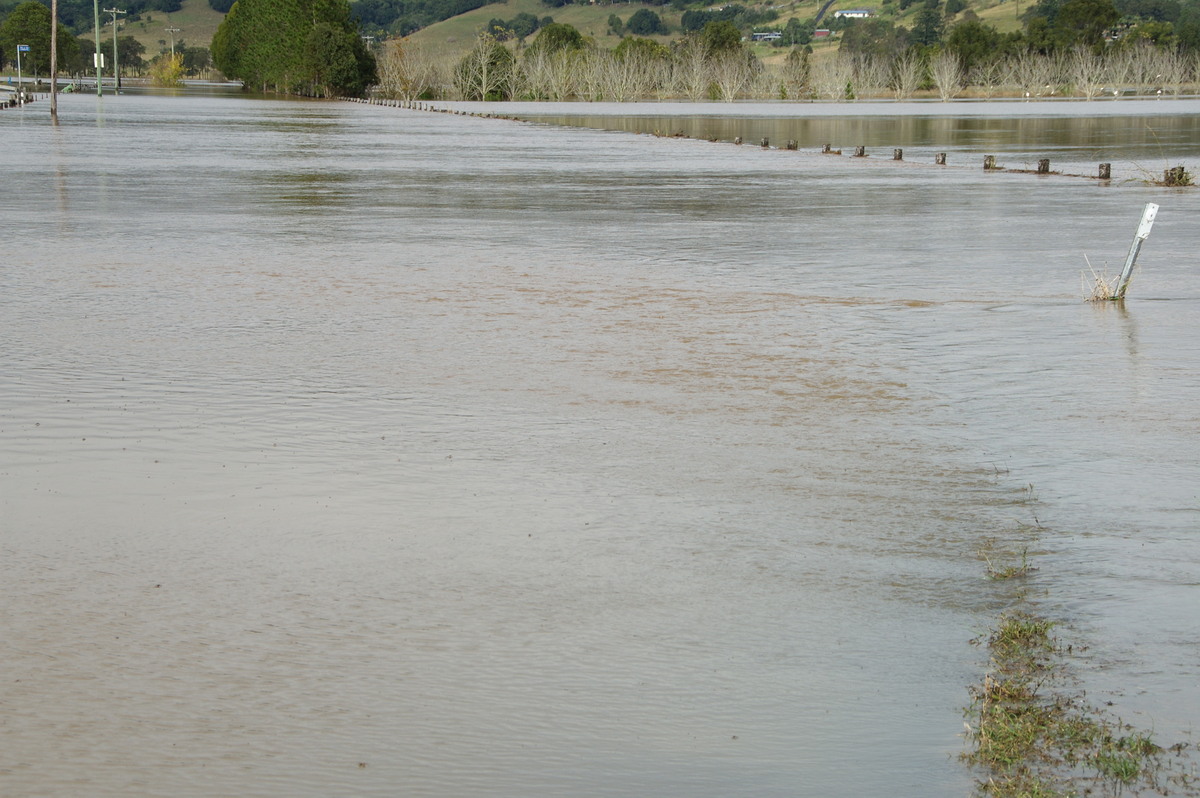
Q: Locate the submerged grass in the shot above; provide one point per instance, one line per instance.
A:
(1036, 740)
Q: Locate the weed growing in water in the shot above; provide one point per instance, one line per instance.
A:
(1103, 288)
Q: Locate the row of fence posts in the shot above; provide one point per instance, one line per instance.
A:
(1175, 176)
(22, 97)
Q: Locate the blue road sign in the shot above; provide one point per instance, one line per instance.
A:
(22, 48)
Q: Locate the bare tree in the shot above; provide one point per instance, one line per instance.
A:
(589, 73)
(406, 71)
(486, 72)
(796, 74)
(533, 72)
(733, 71)
(947, 73)
(987, 76)
(871, 75)
(690, 69)
(1032, 73)
(907, 72)
(1086, 71)
(1174, 71)
(833, 77)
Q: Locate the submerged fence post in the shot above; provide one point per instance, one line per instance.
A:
(989, 162)
(1043, 166)
(1105, 171)
(860, 151)
(1143, 232)
(940, 159)
(897, 154)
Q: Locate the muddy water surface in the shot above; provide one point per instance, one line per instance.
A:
(355, 451)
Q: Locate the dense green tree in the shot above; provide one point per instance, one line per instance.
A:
(294, 46)
(29, 23)
(641, 49)
(929, 26)
(721, 37)
(557, 36)
(1086, 21)
(1187, 30)
(1154, 10)
(797, 32)
(130, 51)
(333, 62)
(974, 43)
(645, 22)
(615, 26)
(196, 59)
(874, 37)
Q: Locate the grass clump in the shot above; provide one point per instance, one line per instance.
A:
(1103, 287)
(1035, 740)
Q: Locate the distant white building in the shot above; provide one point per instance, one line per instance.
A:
(853, 13)
(766, 36)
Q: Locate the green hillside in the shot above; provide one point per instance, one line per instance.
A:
(196, 21)
(458, 34)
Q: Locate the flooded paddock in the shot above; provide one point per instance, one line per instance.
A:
(357, 451)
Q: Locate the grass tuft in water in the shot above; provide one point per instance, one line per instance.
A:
(1103, 288)
(1034, 739)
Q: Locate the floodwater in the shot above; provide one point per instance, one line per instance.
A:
(349, 450)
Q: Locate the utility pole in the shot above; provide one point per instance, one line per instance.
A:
(98, 56)
(21, 48)
(116, 63)
(172, 31)
(54, 61)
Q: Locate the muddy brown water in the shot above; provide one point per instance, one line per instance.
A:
(356, 451)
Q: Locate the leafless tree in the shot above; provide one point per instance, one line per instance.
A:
(733, 71)
(871, 75)
(833, 77)
(1034, 74)
(796, 75)
(907, 72)
(947, 73)
(485, 71)
(407, 71)
(1174, 71)
(690, 69)
(1086, 71)
(987, 76)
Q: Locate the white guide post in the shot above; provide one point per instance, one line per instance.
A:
(1143, 232)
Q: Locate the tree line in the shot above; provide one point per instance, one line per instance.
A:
(716, 63)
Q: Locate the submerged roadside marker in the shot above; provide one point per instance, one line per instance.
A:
(1143, 232)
